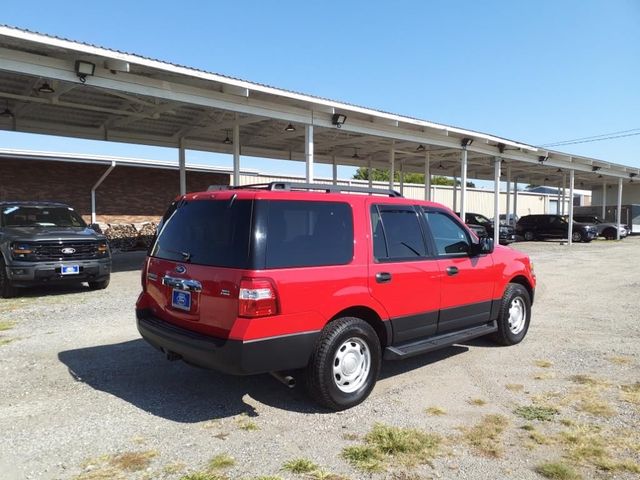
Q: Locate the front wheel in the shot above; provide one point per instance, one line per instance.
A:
(528, 236)
(7, 290)
(610, 234)
(100, 285)
(514, 315)
(576, 237)
(345, 364)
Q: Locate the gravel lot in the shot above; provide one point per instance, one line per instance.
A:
(83, 396)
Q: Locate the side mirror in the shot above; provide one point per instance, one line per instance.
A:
(483, 247)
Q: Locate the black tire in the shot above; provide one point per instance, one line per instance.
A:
(505, 335)
(100, 284)
(609, 234)
(320, 381)
(528, 236)
(577, 237)
(7, 290)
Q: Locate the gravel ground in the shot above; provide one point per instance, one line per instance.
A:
(79, 387)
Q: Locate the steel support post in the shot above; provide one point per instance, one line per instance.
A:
(182, 162)
(463, 185)
(619, 210)
(604, 200)
(571, 186)
(508, 199)
(236, 154)
(496, 200)
(427, 177)
(308, 152)
(369, 172)
(392, 167)
(334, 170)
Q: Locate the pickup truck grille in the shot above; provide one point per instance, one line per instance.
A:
(48, 251)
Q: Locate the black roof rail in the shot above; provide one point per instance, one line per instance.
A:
(328, 188)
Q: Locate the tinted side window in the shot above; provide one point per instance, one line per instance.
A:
(206, 232)
(396, 233)
(308, 234)
(449, 236)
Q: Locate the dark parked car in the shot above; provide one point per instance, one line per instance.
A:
(539, 227)
(45, 242)
(606, 230)
(507, 232)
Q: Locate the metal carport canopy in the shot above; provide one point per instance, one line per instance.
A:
(139, 100)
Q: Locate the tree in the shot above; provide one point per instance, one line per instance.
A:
(380, 175)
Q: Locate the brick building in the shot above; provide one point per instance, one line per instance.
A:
(135, 191)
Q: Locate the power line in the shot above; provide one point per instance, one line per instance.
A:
(603, 136)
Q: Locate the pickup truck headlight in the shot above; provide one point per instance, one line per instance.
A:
(103, 248)
(21, 250)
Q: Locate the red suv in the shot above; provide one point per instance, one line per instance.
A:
(284, 277)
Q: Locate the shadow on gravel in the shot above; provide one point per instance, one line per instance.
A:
(127, 261)
(140, 375)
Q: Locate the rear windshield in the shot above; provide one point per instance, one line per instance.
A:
(206, 232)
(39, 216)
(308, 234)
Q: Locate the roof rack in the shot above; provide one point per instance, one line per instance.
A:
(288, 186)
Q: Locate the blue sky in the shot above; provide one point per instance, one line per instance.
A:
(536, 71)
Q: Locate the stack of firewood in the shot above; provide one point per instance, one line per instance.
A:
(121, 236)
(146, 233)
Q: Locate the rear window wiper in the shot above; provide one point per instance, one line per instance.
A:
(186, 256)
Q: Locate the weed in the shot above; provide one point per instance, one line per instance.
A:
(203, 476)
(6, 341)
(486, 435)
(588, 380)
(631, 393)
(102, 473)
(6, 325)
(536, 412)
(221, 461)
(435, 411)
(267, 477)
(543, 363)
(363, 458)
(175, 467)
(325, 475)
(528, 427)
(247, 425)
(300, 465)
(557, 471)
(514, 387)
(621, 359)
(350, 436)
(596, 406)
(478, 402)
(132, 461)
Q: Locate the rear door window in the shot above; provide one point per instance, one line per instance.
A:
(308, 234)
(206, 232)
(397, 234)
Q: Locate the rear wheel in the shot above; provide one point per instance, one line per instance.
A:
(7, 290)
(528, 236)
(345, 364)
(514, 315)
(100, 285)
(609, 234)
(576, 237)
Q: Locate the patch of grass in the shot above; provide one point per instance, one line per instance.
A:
(595, 406)
(486, 436)
(588, 380)
(132, 461)
(621, 359)
(540, 438)
(610, 465)
(175, 467)
(435, 411)
(203, 476)
(543, 363)
(6, 325)
(536, 412)
(478, 402)
(364, 458)
(6, 340)
(267, 477)
(528, 427)
(514, 387)
(221, 461)
(408, 445)
(300, 465)
(325, 475)
(631, 393)
(557, 471)
(247, 425)
(102, 473)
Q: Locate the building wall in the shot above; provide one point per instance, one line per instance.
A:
(630, 193)
(128, 194)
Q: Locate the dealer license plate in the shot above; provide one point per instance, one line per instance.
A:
(70, 269)
(181, 299)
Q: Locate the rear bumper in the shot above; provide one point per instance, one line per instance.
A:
(236, 357)
(38, 273)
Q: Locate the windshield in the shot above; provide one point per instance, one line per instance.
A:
(39, 216)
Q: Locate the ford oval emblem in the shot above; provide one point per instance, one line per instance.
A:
(181, 269)
(68, 251)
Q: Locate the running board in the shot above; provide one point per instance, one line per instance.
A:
(416, 347)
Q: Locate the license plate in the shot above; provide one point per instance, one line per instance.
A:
(70, 269)
(181, 299)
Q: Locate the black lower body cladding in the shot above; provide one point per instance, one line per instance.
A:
(25, 274)
(235, 357)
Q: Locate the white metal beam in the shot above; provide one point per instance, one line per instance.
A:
(427, 177)
(496, 200)
(236, 155)
(308, 151)
(619, 209)
(463, 185)
(183, 168)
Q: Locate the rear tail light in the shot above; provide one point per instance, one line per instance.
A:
(257, 298)
(143, 277)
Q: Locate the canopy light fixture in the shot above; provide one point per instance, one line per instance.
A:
(501, 147)
(420, 148)
(227, 141)
(633, 175)
(599, 176)
(595, 168)
(559, 170)
(46, 88)
(338, 119)
(84, 70)
(441, 167)
(290, 128)
(465, 142)
(6, 112)
(546, 179)
(543, 159)
(355, 154)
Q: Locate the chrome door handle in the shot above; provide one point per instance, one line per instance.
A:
(452, 271)
(182, 284)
